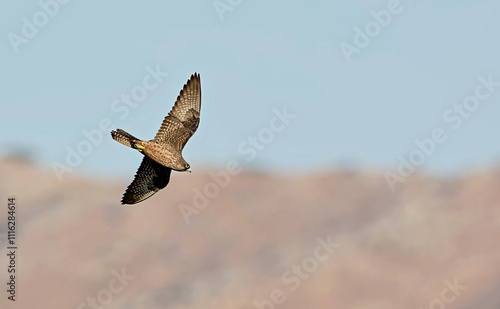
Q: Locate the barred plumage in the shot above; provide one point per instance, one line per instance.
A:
(164, 153)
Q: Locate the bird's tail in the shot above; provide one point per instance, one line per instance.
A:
(124, 138)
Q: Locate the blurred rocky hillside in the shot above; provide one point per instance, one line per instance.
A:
(340, 239)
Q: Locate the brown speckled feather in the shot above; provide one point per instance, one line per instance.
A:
(184, 118)
(164, 153)
(123, 137)
(149, 179)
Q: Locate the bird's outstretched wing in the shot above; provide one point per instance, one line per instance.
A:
(184, 118)
(149, 179)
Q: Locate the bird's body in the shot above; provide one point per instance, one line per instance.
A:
(164, 153)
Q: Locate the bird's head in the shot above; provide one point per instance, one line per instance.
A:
(180, 165)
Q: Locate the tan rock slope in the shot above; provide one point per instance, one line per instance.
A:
(333, 240)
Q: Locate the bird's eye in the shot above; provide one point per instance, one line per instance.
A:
(187, 166)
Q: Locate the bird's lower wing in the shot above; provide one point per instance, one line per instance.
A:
(149, 179)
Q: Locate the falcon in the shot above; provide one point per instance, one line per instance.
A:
(163, 153)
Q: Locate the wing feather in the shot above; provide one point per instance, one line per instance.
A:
(183, 120)
(149, 179)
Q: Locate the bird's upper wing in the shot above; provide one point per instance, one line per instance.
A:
(149, 179)
(184, 118)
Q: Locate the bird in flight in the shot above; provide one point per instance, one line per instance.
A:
(163, 153)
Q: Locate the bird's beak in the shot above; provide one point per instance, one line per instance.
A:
(188, 170)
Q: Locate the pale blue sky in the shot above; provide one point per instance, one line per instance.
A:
(262, 55)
